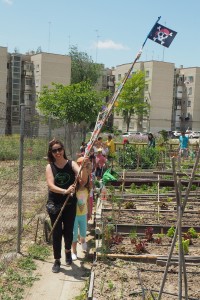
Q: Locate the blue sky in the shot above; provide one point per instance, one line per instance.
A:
(110, 31)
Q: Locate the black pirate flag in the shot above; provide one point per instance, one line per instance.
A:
(162, 35)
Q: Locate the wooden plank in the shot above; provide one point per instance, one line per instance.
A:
(91, 285)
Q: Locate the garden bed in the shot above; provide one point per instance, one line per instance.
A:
(121, 279)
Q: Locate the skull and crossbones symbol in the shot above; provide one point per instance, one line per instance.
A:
(162, 34)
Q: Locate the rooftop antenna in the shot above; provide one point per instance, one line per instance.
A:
(98, 36)
(49, 39)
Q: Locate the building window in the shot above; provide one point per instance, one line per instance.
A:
(190, 79)
(28, 97)
(146, 87)
(190, 91)
(37, 68)
(178, 102)
(189, 103)
(119, 76)
(147, 73)
(28, 81)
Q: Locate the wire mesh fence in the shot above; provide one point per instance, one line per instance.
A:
(23, 188)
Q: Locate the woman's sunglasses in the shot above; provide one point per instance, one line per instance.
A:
(57, 150)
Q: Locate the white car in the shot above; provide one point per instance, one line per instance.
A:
(126, 134)
(195, 135)
(176, 133)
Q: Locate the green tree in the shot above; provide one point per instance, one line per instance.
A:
(74, 103)
(83, 68)
(131, 99)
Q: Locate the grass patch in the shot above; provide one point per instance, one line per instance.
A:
(19, 275)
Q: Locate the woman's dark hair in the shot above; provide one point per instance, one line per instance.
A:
(110, 136)
(50, 156)
(150, 136)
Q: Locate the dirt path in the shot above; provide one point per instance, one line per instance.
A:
(65, 285)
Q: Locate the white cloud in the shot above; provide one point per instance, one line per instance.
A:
(9, 2)
(109, 44)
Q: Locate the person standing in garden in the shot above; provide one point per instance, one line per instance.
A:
(60, 175)
(100, 164)
(82, 211)
(151, 141)
(183, 145)
(111, 147)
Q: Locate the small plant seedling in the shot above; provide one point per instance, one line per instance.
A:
(185, 245)
(164, 206)
(109, 218)
(149, 234)
(117, 239)
(193, 233)
(187, 236)
(129, 205)
(133, 236)
(110, 284)
(171, 231)
(141, 247)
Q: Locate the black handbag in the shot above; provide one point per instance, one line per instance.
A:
(53, 208)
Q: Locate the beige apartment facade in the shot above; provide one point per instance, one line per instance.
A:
(159, 80)
(172, 93)
(188, 98)
(48, 69)
(25, 77)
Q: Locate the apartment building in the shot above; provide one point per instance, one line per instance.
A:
(187, 102)
(172, 93)
(23, 76)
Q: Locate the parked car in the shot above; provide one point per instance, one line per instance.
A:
(176, 133)
(127, 134)
(194, 135)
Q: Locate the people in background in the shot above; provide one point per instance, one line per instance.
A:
(100, 163)
(102, 145)
(151, 140)
(183, 145)
(82, 148)
(125, 141)
(111, 147)
(60, 175)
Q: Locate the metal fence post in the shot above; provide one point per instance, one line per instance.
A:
(21, 156)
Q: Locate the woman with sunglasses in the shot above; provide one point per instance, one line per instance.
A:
(60, 175)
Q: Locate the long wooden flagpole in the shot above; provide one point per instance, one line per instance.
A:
(102, 118)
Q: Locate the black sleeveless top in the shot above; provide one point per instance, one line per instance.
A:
(63, 178)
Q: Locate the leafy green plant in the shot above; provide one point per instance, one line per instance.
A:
(171, 231)
(110, 285)
(133, 236)
(193, 233)
(107, 235)
(84, 291)
(16, 277)
(185, 245)
(39, 251)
